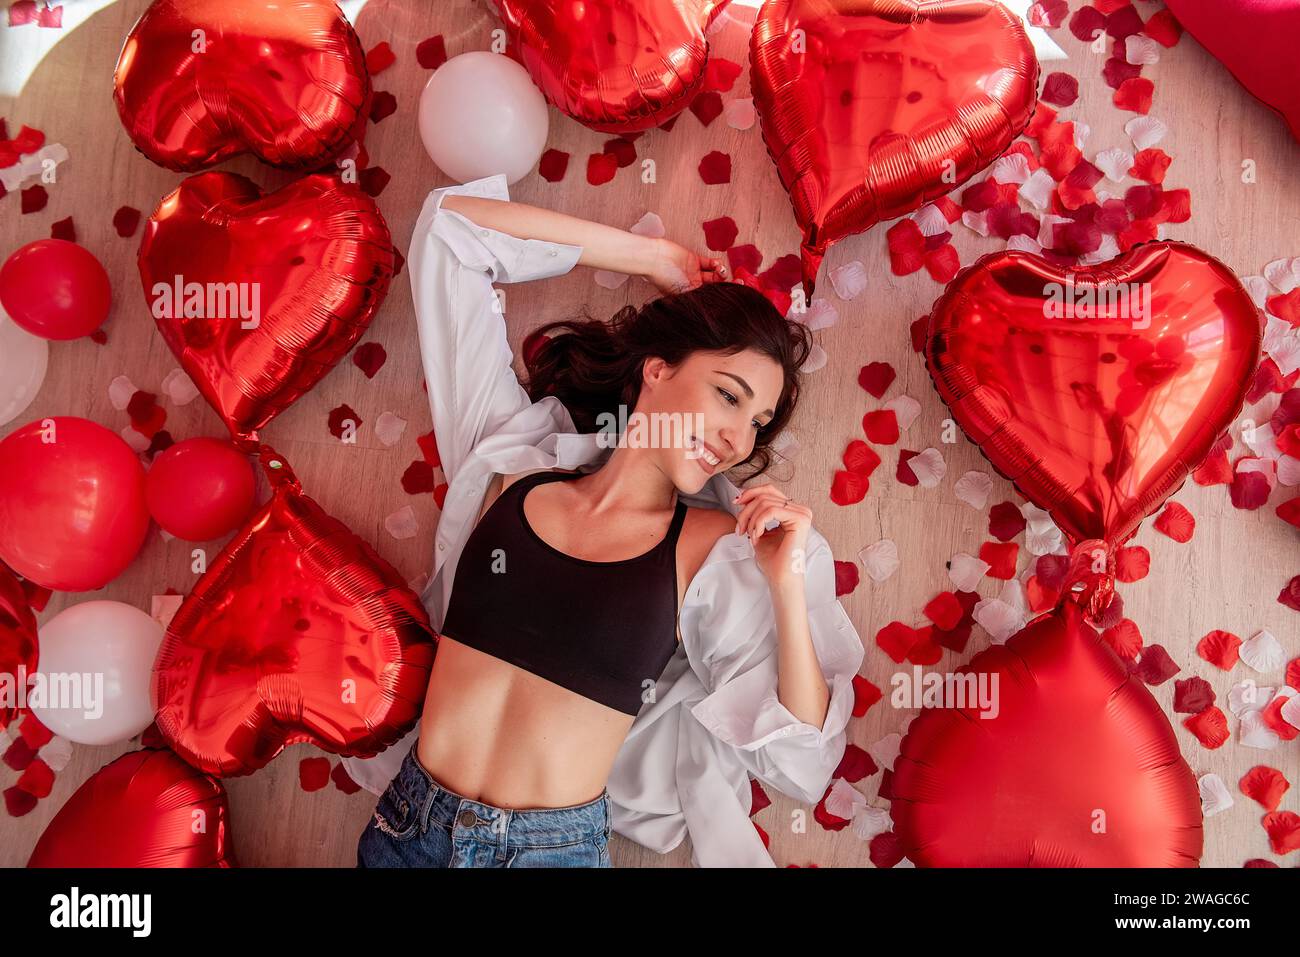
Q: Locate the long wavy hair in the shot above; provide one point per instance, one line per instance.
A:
(594, 366)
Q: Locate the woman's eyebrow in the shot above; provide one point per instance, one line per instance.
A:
(749, 393)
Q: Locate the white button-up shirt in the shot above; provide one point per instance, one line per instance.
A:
(715, 717)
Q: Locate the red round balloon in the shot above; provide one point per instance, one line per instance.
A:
(72, 507)
(18, 647)
(871, 108)
(199, 81)
(146, 809)
(616, 66)
(1076, 767)
(55, 289)
(259, 296)
(200, 489)
(298, 632)
(1096, 390)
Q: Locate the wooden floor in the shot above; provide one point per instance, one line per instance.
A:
(1227, 577)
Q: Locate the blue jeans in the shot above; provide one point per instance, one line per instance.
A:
(419, 823)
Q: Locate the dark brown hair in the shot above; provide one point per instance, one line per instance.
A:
(594, 366)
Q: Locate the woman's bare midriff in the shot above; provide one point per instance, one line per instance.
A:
(496, 733)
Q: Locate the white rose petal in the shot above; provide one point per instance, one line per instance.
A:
(1141, 50)
(998, 618)
(179, 387)
(163, 608)
(57, 752)
(1263, 653)
(928, 467)
(880, 559)
(885, 751)
(1010, 168)
(1042, 539)
(1145, 131)
(1013, 594)
(389, 428)
(870, 821)
(1215, 796)
(120, 391)
(1254, 733)
(905, 409)
(134, 439)
(965, 571)
(930, 220)
(816, 359)
(402, 523)
(1280, 275)
(1288, 470)
(1258, 287)
(1037, 190)
(844, 800)
(849, 280)
(976, 221)
(973, 488)
(1247, 696)
(820, 314)
(1106, 250)
(1025, 244)
(649, 225)
(1081, 131)
(740, 114)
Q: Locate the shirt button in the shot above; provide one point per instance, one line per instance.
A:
(551, 253)
(468, 818)
(482, 232)
(440, 546)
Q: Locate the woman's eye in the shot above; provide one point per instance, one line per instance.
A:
(730, 398)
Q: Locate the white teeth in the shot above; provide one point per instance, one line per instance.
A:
(705, 454)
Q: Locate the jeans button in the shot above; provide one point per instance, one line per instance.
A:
(468, 818)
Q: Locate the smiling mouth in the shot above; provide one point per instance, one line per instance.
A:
(704, 454)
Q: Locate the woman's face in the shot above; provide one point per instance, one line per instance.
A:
(709, 409)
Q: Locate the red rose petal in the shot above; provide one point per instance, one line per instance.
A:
(1209, 726)
(1272, 717)
(369, 357)
(429, 449)
(860, 457)
(418, 478)
(1265, 785)
(342, 780)
(622, 149)
(373, 180)
(1249, 490)
(903, 473)
(1001, 556)
(1135, 95)
(1132, 564)
(341, 418)
(1125, 640)
(885, 849)
(1154, 666)
(944, 610)
(601, 168)
(1290, 595)
(1289, 512)
(313, 773)
(1086, 23)
(881, 426)
(926, 651)
(17, 801)
(1150, 164)
(720, 234)
(1060, 89)
(440, 494)
(715, 168)
(1193, 695)
(431, 53)
(1283, 829)
(906, 247)
(897, 639)
(1005, 521)
(720, 74)
(1176, 522)
(846, 578)
(865, 694)
(33, 199)
(38, 779)
(758, 800)
(553, 165)
(744, 257)
(380, 57)
(1117, 69)
(876, 377)
(855, 765)
(1163, 28)
(707, 106)
(1219, 648)
(979, 197)
(1215, 470)
(382, 105)
(942, 263)
(1123, 22)
(63, 229)
(848, 488)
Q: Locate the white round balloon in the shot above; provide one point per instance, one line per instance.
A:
(23, 360)
(480, 114)
(96, 660)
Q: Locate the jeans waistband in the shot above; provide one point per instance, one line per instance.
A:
(466, 816)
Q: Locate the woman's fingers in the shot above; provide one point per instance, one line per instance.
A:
(752, 500)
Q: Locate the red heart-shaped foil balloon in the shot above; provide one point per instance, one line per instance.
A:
(1077, 767)
(18, 646)
(199, 81)
(1096, 390)
(297, 632)
(614, 65)
(259, 296)
(870, 108)
(146, 809)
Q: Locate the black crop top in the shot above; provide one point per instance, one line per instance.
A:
(605, 630)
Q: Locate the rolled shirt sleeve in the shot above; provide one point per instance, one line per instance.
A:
(467, 361)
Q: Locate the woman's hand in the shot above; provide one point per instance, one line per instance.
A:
(674, 268)
(781, 552)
